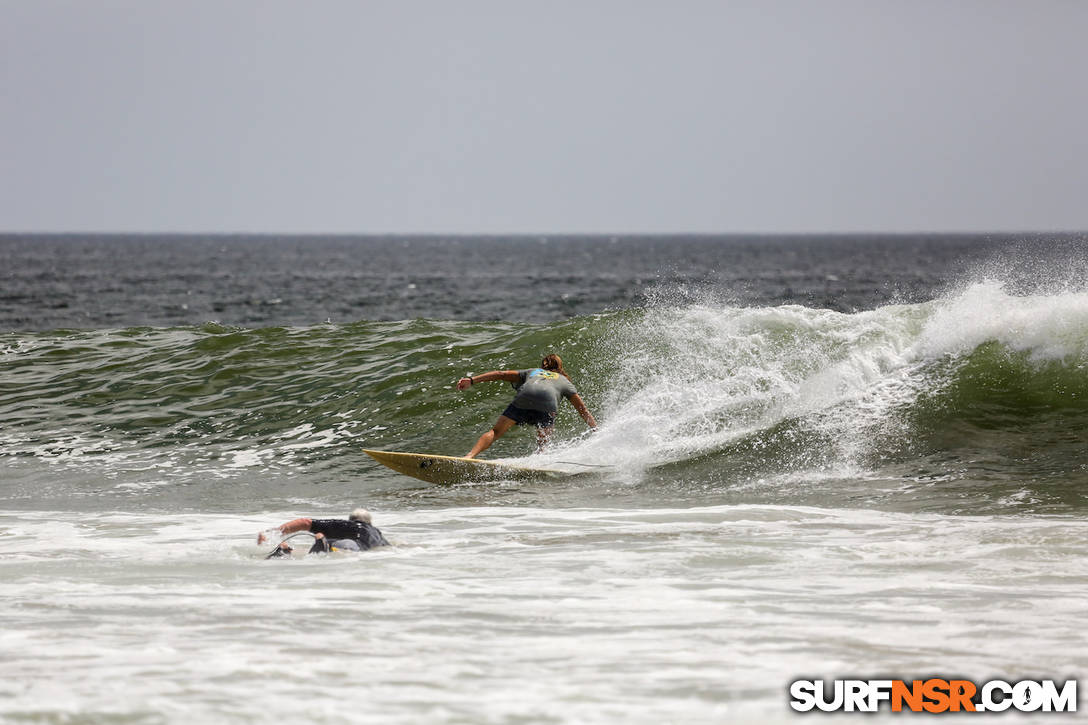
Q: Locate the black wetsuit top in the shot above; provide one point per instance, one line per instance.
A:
(367, 536)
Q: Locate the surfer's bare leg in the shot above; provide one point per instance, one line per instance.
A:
(543, 435)
(497, 431)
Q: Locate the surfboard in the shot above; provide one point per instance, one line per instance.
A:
(451, 469)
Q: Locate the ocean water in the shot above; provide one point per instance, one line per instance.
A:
(817, 457)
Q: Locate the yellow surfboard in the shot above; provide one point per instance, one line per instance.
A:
(451, 469)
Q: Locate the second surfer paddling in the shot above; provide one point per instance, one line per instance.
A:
(536, 402)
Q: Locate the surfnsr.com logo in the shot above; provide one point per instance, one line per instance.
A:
(933, 695)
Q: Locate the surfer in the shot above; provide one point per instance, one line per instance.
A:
(536, 402)
(355, 534)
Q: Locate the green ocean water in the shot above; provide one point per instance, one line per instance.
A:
(971, 403)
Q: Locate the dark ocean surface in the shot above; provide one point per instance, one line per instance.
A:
(101, 281)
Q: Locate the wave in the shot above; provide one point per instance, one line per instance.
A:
(741, 391)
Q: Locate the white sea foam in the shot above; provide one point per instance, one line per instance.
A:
(695, 379)
(497, 614)
(1049, 327)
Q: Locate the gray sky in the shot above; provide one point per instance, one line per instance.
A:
(543, 117)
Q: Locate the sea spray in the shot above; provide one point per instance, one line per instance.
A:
(738, 395)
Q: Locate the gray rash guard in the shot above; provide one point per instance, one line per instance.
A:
(539, 389)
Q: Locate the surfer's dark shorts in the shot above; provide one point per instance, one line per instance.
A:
(524, 416)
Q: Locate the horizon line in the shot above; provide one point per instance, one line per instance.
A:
(546, 235)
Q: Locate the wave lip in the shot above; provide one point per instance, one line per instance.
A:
(742, 393)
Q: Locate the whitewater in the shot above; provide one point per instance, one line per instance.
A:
(791, 491)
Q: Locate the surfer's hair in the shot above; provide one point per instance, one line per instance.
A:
(554, 362)
(360, 515)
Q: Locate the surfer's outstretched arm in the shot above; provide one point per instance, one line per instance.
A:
(289, 528)
(510, 376)
(576, 401)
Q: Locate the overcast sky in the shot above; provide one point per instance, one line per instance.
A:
(543, 117)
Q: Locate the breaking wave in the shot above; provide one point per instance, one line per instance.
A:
(980, 378)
